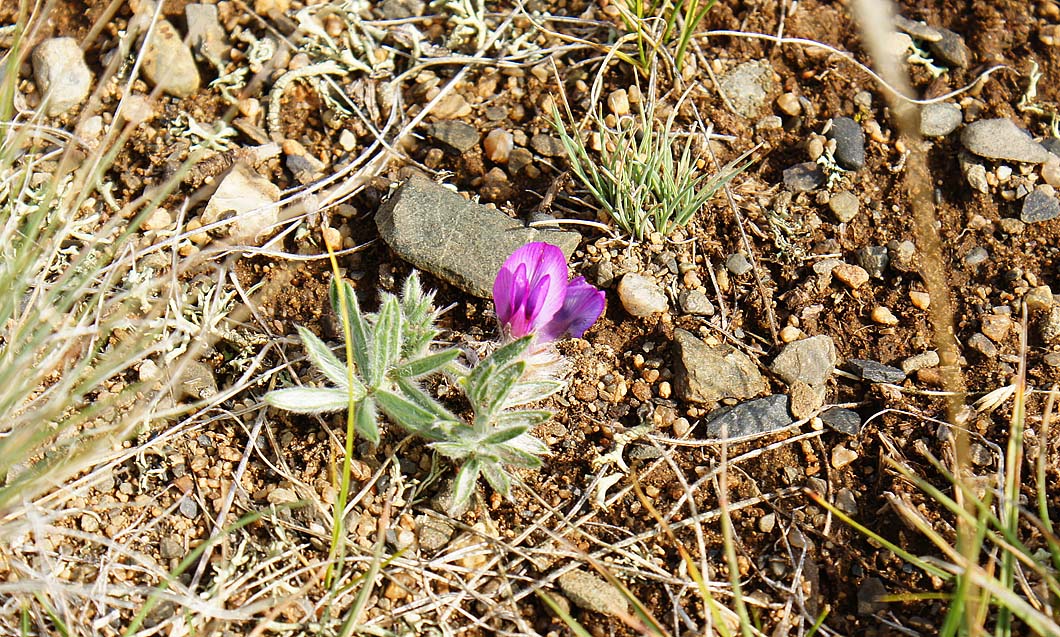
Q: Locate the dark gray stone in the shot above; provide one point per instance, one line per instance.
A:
(708, 373)
(940, 119)
(547, 146)
(1039, 206)
(804, 177)
(1001, 139)
(459, 136)
(873, 259)
(464, 243)
(748, 86)
(870, 596)
(874, 372)
(752, 418)
(846, 421)
(950, 49)
(980, 343)
(849, 143)
(810, 360)
(1052, 144)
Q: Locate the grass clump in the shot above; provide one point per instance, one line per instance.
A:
(660, 24)
(644, 174)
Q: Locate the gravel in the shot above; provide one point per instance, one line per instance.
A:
(844, 205)
(748, 86)
(845, 421)
(168, 63)
(875, 372)
(460, 136)
(248, 198)
(804, 177)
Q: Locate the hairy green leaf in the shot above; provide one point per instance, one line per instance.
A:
(344, 302)
(497, 387)
(428, 364)
(386, 340)
(309, 400)
(366, 420)
(464, 485)
(408, 414)
(525, 417)
(323, 358)
(410, 390)
(504, 434)
(497, 478)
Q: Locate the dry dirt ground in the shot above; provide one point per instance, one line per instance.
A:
(795, 560)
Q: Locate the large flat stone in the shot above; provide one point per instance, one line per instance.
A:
(706, 374)
(459, 241)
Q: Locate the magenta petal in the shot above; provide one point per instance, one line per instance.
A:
(531, 297)
(582, 306)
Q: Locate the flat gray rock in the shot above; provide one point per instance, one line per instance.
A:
(708, 373)
(849, 143)
(845, 421)
(950, 49)
(804, 177)
(61, 74)
(875, 372)
(752, 418)
(810, 360)
(748, 86)
(462, 242)
(940, 119)
(205, 33)
(460, 136)
(1001, 139)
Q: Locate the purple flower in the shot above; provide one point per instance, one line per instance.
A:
(532, 295)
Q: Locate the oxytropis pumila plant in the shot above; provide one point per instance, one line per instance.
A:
(390, 353)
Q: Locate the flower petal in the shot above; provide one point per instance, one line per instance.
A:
(530, 288)
(582, 305)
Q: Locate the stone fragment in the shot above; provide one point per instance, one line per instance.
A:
(434, 533)
(618, 102)
(982, 344)
(844, 205)
(950, 49)
(805, 399)
(883, 315)
(917, 29)
(61, 74)
(810, 361)
(748, 86)
(168, 63)
(696, 303)
(593, 593)
(249, 200)
(873, 259)
(846, 502)
(853, 276)
(920, 361)
(1039, 206)
(849, 143)
(875, 372)
(752, 418)
(641, 296)
(464, 243)
(939, 119)
(843, 420)
(547, 145)
(205, 33)
(976, 255)
(841, 457)
(1049, 324)
(1001, 139)
(737, 263)
(996, 327)
(452, 106)
(460, 136)
(788, 103)
(1039, 298)
(920, 300)
(498, 145)
(804, 177)
(708, 373)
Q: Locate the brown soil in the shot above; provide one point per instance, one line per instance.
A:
(623, 369)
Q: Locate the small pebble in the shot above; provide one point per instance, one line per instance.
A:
(844, 206)
(982, 344)
(852, 276)
(160, 219)
(618, 102)
(874, 259)
(883, 315)
(920, 361)
(996, 327)
(1051, 172)
(738, 264)
(1039, 206)
(920, 300)
(976, 256)
(498, 145)
(804, 177)
(1039, 298)
(767, 522)
(695, 302)
(940, 119)
(641, 296)
(850, 143)
(842, 457)
(788, 103)
(790, 333)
